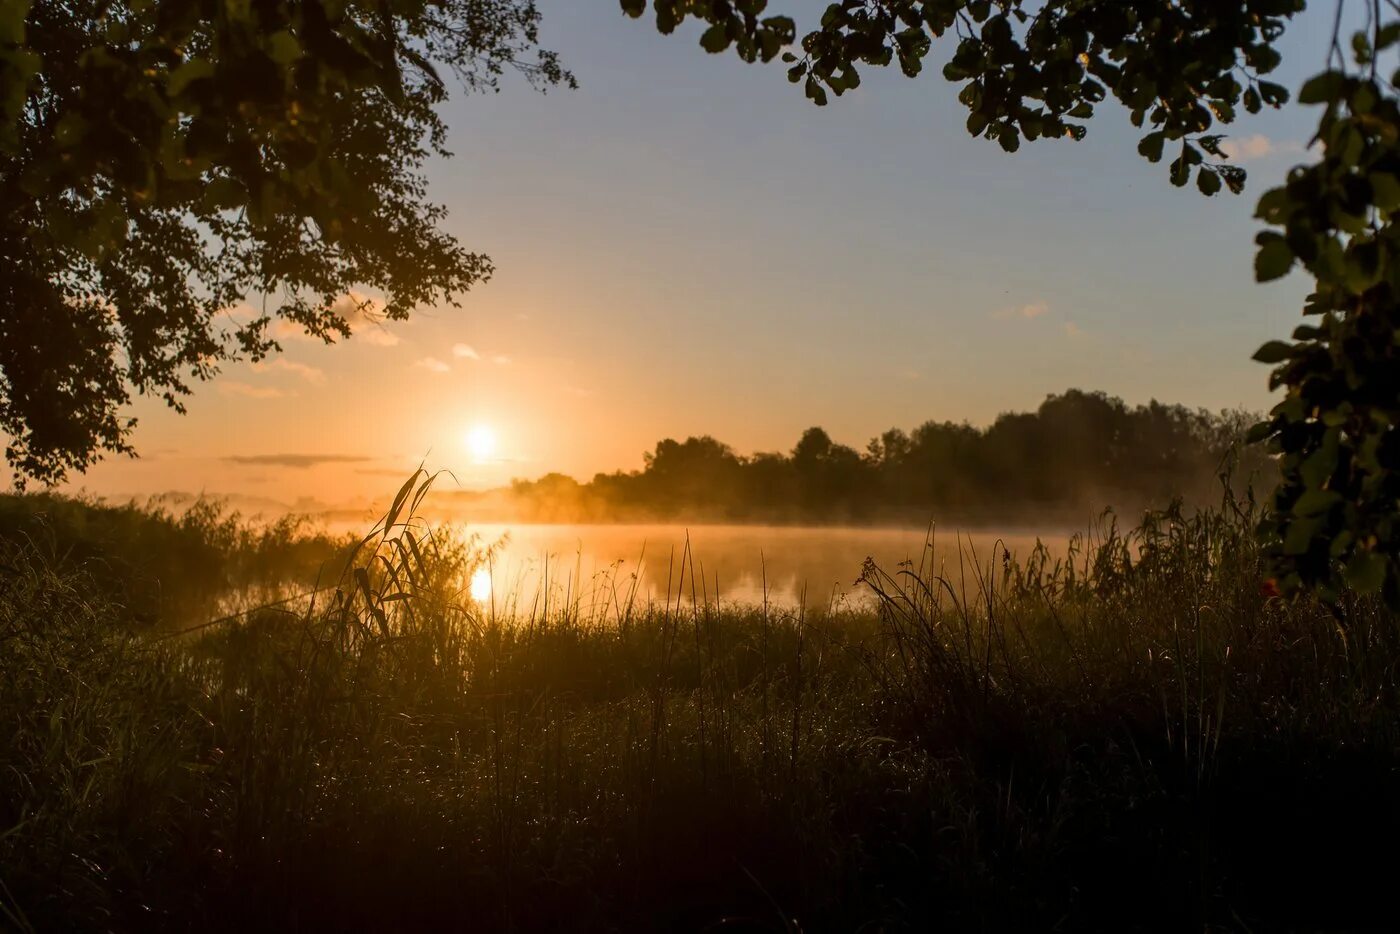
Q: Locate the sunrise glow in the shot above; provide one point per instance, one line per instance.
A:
(480, 442)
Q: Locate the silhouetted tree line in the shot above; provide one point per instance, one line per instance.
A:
(1077, 454)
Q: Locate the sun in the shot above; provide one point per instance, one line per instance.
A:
(481, 443)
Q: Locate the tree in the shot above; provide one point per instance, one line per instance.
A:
(1183, 68)
(163, 160)
(1078, 452)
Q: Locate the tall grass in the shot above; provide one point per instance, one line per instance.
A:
(1133, 737)
(168, 568)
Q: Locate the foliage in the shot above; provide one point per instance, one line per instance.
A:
(1039, 70)
(1090, 451)
(163, 160)
(1337, 430)
(1134, 735)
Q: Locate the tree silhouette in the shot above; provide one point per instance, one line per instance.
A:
(1077, 453)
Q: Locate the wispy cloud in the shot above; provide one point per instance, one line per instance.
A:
(248, 390)
(359, 311)
(309, 373)
(1258, 146)
(378, 336)
(501, 359)
(1072, 330)
(1027, 312)
(465, 352)
(432, 365)
(298, 461)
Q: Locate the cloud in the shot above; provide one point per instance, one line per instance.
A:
(233, 388)
(501, 359)
(283, 330)
(299, 461)
(378, 336)
(1028, 312)
(1258, 146)
(309, 373)
(432, 365)
(359, 311)
(465, 352)
(1072, 330)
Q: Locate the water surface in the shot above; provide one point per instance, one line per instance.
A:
(599, 565)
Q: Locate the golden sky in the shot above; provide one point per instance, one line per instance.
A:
(685, 246)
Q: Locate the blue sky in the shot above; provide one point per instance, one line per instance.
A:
(685, 245)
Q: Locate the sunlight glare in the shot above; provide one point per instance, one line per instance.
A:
(480, 586)
(481, 443)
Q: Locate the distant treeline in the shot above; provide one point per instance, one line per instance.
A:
(1077, 454)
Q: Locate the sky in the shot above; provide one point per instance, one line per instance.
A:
(684, 245)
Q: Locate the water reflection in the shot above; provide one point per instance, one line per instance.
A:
(480, 585)
(609, 565)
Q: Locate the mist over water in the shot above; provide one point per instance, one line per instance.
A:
(602, 565)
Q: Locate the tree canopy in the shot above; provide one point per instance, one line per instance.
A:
(163, 161)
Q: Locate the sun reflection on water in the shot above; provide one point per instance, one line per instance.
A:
(480, 586)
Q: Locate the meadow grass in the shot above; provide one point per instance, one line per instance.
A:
(1135, 736)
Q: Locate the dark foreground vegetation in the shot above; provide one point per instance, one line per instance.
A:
(1088, 449)
(1140, 737)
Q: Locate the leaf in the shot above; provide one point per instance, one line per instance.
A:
(1315, 502)
(222, 193)
(12, 16)
(283, 47)
(1273, 352)
(1385, 190)
(1150, 146)
(1322, 88)
(1181, 172)
(1208, 182)
(715, 39)
(1366, 572)
(1298, 538)
(1318, 467)
(195, 69)
(1259, 431)
(1275, 95)
(1273, 261)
